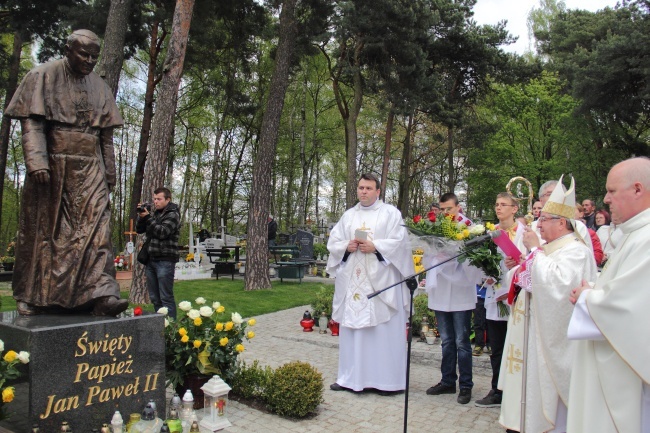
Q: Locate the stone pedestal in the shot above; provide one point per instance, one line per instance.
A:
(83, 368)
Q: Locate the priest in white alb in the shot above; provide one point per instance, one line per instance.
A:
(548, 274)
(369, 250)
(610, 389)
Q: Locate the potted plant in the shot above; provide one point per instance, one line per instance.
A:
(203, 341)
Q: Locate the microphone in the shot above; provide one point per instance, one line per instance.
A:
(482, 239)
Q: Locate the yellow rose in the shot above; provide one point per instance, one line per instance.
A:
(182, 331)
(8, 394)
(459, 236)
(10, 356)
(197, 344)
(219, 326)
(252, 322)
(221, 309)
(198, 321)
(229, 326)
(250, 335)
(465, 233)
(239, 348)
(223, 341)
(185, 339)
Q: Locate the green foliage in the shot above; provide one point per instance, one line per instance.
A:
(251, 382)
(421, 309)
(322, 302)
(295, 390)
(320, 250)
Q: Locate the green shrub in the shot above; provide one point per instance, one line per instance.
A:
(320, 250)
(295, 390)
(421, 308)
(322, 302)
(251, 382)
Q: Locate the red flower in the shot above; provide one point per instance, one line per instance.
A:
(468, 222)
(432, 216)
(416, 219)
(137, 311)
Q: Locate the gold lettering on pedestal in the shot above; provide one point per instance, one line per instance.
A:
(107, 345)
(98, 395)
(99, 372)
(60, 405)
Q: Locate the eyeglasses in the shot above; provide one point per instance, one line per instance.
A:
(498, 205)
(546, 218)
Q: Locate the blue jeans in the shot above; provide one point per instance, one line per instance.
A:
(160, 284)
(454, 328)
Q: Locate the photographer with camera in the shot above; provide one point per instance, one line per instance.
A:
(160, 222)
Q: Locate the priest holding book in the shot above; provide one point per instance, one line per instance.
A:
(369, 250)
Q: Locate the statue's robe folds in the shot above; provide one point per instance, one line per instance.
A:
(64, 256)
(563, 265)
(372, 343)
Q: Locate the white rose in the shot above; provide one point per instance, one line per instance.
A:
(236, 319)
(461, 226)
(205, 311)
(216, 305)
(166, 322)
(163, 310)
(200, 300)
(23, 357)
(185, 305)
(2, 346)
(193, 314)
(477, 229)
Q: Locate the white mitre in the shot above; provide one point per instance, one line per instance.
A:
(563, 204)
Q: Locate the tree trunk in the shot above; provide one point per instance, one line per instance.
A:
(5, 129)
(351, 130)
(404, 172)
(110, 66)
(257, 261)
(451, 178)
(155, 48)
(163, 121)
(387, 145)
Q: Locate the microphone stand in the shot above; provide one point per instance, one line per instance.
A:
(412, 285)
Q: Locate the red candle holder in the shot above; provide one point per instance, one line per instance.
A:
(334, 327)
(307, 322)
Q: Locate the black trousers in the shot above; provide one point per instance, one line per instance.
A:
(479, 323)
(497, 330)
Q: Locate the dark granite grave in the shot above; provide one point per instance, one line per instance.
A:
(82, 368)
(305, 241)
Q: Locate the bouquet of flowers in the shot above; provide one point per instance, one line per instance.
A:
(8, 371)
(121, 264)
(204, 340)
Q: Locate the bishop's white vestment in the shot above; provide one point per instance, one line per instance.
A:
(610, 389)
(549, 276)
(372, 338)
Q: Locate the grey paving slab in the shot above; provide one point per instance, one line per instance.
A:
(279, 339)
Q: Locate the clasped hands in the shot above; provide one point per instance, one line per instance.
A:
(364, 246)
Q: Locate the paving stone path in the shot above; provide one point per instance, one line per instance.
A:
(279, 339)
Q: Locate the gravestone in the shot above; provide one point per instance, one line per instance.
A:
(83, 368)
(282, 239)
(305, 241)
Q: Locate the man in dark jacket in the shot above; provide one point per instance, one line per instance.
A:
(162, 231)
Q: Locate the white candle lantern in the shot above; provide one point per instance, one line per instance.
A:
(215, 403)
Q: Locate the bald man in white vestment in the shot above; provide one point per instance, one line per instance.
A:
(609, 383)
(369, 250)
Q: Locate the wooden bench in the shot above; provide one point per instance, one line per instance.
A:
(293, 269)
(220, 257)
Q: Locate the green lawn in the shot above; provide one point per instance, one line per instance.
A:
(231, 294)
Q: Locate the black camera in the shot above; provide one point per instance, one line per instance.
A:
(146, 206)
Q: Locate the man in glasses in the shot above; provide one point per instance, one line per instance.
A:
(549, 273)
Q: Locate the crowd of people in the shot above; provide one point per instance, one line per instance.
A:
(563, 321)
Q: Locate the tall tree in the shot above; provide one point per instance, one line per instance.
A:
(110, 64)
(163, 121)
(257, 262)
